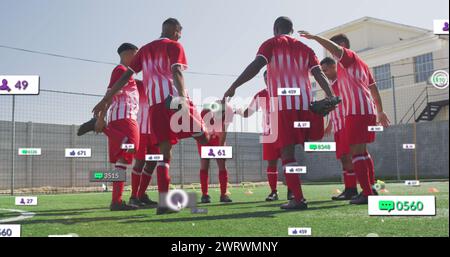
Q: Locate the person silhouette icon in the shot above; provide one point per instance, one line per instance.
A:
(211, 153)
(445, 28)
(4, 85)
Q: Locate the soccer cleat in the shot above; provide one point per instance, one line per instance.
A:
(348, 194)
(225, 199)
(272, 196)
(87, 127)
(164, 210)
(294, 205)
(123, 206)
(206, 199)
(134, 201)
(146, 201)
(360, 199)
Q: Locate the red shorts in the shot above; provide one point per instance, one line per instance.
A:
(342, 147)
(357, 129)
(146, 146)
(130, 128)
(270, 152)
(160, 124)
(214, 140)
(288, 135)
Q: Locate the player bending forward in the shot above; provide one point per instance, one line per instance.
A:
(289, 63)
(363, 108)
(216, 123)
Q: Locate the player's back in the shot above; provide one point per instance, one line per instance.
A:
(289, 62)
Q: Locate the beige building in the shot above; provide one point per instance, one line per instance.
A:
(402, 59)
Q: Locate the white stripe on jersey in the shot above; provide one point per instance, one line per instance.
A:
(361, 101)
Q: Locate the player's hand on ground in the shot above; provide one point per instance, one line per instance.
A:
(306, 34)
(100, 124)
(383, 119)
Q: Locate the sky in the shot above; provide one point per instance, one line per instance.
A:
(219, 36)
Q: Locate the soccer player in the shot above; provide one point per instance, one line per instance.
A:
(289, 63)
(271, 154)
(141, 176)
(363, 108)
(337, 125)
(162, 63)
(122, 112)
(216, 123)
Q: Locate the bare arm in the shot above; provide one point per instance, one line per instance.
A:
(332, 47)
(103, 104)
(178, 80)
(250, 72)
(381, 115)
(322, 80)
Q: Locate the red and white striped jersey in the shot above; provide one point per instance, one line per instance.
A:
(289, 62)
(261, 101)
(125, 104)
(337, 116)
(156, 60)
(355, 80)
(142, 116)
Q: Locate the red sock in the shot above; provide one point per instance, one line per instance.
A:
(369, 163)
(146, 178)
(362, 172)
(162, 172)
(349, 179)
(293, 180)
(223, 181)
(135, 181)
(118, 186)
(204, 181)
(272, 177)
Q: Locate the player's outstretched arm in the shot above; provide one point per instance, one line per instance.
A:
(103, 104)
(322, 80)
(332, 47)
(382, 117)
(250, 72)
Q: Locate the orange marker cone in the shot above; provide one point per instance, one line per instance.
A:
(433, 190)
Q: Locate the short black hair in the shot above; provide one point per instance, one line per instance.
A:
(284, 24)
(125, 47)
(341, 38)
(328, 61)
(172, 21)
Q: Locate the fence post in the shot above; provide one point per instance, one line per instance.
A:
(29, 158)
(181, 164)
(73, 133)
(13, 142)
(394, 101)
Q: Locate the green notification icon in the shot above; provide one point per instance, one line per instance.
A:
(313, 147)
(98, 175)
(386, 205)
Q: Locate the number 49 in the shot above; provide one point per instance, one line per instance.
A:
(21, 85)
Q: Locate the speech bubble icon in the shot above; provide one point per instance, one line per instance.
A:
(98, 175)
(386, 205)
(313, 147)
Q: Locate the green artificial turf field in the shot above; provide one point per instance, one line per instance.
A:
(87, 214)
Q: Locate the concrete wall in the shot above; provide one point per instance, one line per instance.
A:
(54, 170)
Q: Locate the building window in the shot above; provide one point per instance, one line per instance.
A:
(423, 67)
(382, 75)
